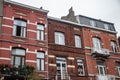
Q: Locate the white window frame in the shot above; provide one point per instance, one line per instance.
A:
(21, 24)
(96, 43)
(59, 38)
(80, 63)
(114, 47)
(77, 41)
(40, 32)
(118, 69)
(40, 61)
(62, 69)
(18, 57)
(103, 70)
(101, 67)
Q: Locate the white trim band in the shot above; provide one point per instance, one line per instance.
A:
(3, 58)
(2, 48)
(54, 65)
(71, 58)
(31, 30)
(70, 66)
(31, 61)
(8, 18)
(51, 56)
(7, 26)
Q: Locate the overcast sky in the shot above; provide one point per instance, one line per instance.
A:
(107, 10)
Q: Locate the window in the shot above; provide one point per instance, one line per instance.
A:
(40, 32)
(97, 43)
(113, 46)
(18, 57)
(101, 67)
(106, 26)
(19, 28)
(92, 23)
(80, 67)
(59, 38)
(118, 67)
(77, 41)
(40, 61)
(61, 67)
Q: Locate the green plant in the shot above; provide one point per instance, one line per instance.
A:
(26, 70)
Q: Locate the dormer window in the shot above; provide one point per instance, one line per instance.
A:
(106, 26)
(92, 23)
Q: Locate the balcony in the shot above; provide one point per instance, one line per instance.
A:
(105, 77)
(100, 53)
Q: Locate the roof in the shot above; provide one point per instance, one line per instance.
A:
(77, 24)
(25, 6)
(95, 19)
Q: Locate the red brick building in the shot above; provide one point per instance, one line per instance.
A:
(23, 36)
(71, 48)
(82, 48)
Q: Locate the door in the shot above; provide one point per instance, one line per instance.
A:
(61, 68)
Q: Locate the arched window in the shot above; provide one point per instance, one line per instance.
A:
(19, 28)
(40, 32)
(18, 57)
(96, 43)
(40, 61)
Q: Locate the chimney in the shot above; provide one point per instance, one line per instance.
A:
(71, 16)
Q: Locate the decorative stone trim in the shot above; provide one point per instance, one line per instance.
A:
(8, 26)
(51, 56)
(30, 30)
(32, 61)
(71, 58)
(53, 65)
(19, 13)
(33, 52)
(8, 18)
(70, 66)
(4, 58)
(2, 48)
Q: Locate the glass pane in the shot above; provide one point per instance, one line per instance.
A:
(80, 69)
(38, 64)
(17, 61)
(38, 35)
(20, 23)
(18, 52)
(23, 60)
(96, 43)
(40, 55)
(40, 27)
(24, 32)
(42, 65)
(12, 60)
(18, 31)
(56, 38)
(42, 35)
(14, 30)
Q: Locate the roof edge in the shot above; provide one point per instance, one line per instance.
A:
(25, 6)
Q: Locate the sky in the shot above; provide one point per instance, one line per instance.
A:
(106, 10)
